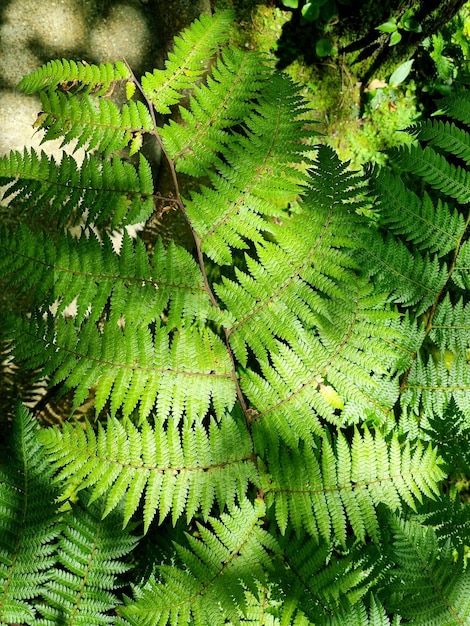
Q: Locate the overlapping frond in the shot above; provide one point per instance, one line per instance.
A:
(171, 472)
(28, 523)
(94, 123)
(329, 488)
(188, 61)
(436, 170)
(68, 74)
(125, 288)
(432, 227)
(431, 384)
(224, 100)
(256, 177)
(97, 191)
(208, 583)
(430, 589)
(445, 135)
(182, 373)
(412, 279)
(83, 583)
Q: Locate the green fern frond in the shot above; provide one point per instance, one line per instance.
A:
(180, 372)
(72, 75)
(457, 106)
(217, 566)
(430, 386)
(411, 279)
(324, 489)
(433, 228)
(188, 62)
(444, 135)
(461, 273)
(96, 191)
(83, 584)
(252, 175)
(434, 169)
(430, 589)
(216, 106)
(28, 523)
(360, 615)
(170, 472)
(125, 287)
(450, 328)
(96, 124)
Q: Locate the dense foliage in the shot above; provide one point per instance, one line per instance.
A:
(281, 409)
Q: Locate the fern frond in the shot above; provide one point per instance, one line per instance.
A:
(444, 135)
(216, 106)
(28, 523)
(434, 169)
(411, 279)
(360, 616)
(132, 288)
(168, 471)
(217, 566)
(82, 587)
(180, 372)
(98, 125)
(461, 273)
(187, 63)
(430, 589)
(97, 191)
(68, 74)
(252, 174)
(431, 385)
(457, 107)
(450, 328)
(323, 490)
(433, 228)
(318, 579)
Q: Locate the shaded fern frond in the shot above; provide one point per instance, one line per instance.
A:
(83, 585)
(126, 288)
(224, 100)
(318, 580)
(28, 523)
(430, 589)
(69, 74)
(444, 135)
(188, 62)
(168, 471)
(360, 615)
(434, 169)
(95, 124)
(99, 191)
(326, 489)
(216, 568)
(457, 106)
(434, 228)
(411, 279)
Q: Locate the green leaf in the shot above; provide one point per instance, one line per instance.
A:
(394, 38)
(311, 11)
(324, 48)
(401, 73)
(388, 27)
(291, 4)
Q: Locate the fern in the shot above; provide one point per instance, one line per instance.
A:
(276, 403)
(28, 523)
